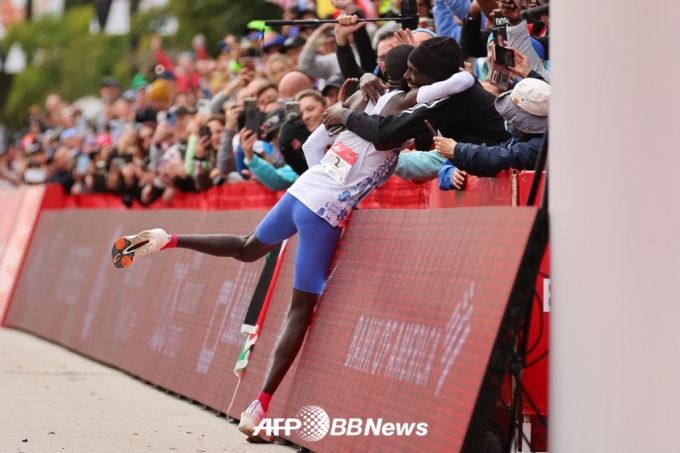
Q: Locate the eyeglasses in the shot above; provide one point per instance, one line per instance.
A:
(380, 59)
(283, 101)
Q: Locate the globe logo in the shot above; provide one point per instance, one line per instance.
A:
(315, 423)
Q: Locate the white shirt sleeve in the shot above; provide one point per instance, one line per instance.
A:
(458, 82)
(315, 146)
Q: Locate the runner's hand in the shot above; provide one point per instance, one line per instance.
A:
(372, 87)
(333, 115)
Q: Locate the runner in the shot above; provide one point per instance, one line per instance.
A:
(316, 206)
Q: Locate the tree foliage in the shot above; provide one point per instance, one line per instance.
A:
(64, 57)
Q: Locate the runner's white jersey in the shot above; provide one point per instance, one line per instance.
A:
(360, 165)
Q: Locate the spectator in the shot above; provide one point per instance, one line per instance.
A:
(160, 95)
(277, 67)
(470, 116)
(318, 57)
(61, 169)
(312, 106)
(525, 110)
(520, 39)
(292, 84)
(263, 163)
(332, 88)
(292, 47)
(185, 74)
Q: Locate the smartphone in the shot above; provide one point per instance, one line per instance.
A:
(335, 129)
(204, 131)
(500, 31)
(249, 103)
(254, 117)
(503, 56)
(291, 110)
(82, 163)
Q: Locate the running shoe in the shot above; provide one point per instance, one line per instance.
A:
(249, 421)
(127, 248)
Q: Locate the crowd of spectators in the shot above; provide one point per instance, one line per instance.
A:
(192, 121)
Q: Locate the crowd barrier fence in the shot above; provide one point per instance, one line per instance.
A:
(175, 321)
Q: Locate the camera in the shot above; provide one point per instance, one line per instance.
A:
(291, 110)
(204, 131)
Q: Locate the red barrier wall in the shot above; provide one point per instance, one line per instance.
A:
(173, 319)
(396, 193)
(535, 378)
(498, 191)
(19, 211)
(410, 349)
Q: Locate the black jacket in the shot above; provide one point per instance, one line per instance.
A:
(467, 117)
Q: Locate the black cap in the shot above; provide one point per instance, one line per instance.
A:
(336, 80)
(181, 110)
(109, 82)
(293, 43)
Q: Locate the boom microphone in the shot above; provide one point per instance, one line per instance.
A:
(534, 13)
(408, 18)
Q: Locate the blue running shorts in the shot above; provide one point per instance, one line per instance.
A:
(316, 243)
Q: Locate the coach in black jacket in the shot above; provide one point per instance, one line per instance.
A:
(525, 110)
(468, 117)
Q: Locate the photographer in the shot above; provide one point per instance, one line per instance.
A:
(520, 39)
(60, 171)
(262, 160)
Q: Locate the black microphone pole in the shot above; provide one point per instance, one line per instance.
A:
(533, 13)
(408, 18)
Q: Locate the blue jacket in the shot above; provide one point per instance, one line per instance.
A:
(483, 160)
(419, 165)
(272, 178)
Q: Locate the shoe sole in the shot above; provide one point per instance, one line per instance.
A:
(247, 426)
(125, 248)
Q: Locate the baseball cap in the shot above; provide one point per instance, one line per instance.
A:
(336, 80)
(109, 82)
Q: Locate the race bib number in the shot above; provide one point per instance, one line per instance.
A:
(338, 162)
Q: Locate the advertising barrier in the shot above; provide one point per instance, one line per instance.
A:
(535, 377)
(19, 211)
(401, 338)
(173, 318)
(403, 333)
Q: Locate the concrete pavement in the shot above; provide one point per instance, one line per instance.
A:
(53, 400)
